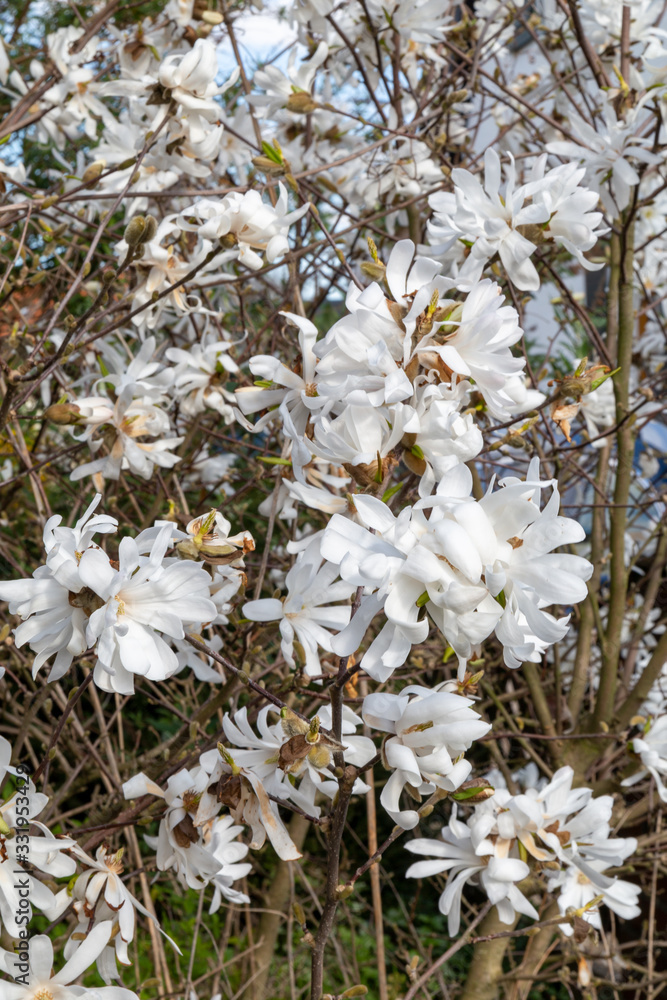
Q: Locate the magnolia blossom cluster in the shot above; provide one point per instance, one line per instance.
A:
(395, 373)
(129, 421)
(549, 206)
(234, 228)
(471, 567)
(290, 761)
(248, 781)
(131, 614)
(560, 831)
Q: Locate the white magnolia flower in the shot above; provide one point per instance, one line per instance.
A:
(582, 882)
(457, 853)
(142, 375)
(651, 749)
(99, 894)
(610, 147)
(34, 979)
(568, 821)
(362, 355)
(55, 603)
(295, 393)
(475, 566)
(362, 438)
(138, 440)
(241, 790)
(180, 840)
(565, 829)
(162, 265)
(309, 611)
(223, 843)
(474, 342)
(431, 730)
(549, 207)
(244, 223)
(279, 86)
(404, 168)
(20, 890)
(200, 375)
(209, 539)
(297, 748)
(190, 78)
(79, 601)
(445, 437)
(136, 602)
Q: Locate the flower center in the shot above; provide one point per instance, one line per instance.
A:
(86, 599)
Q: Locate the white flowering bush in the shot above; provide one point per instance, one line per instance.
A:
(333, 654)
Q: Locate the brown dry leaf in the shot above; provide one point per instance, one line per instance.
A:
(562, 414)
(351, 688)
(185, 832)
(293, 753)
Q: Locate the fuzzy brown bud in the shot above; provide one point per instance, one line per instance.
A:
(62, 413)
(371, 269)
(150, 229)
(92, 172)
(301, 103)
(134, 231)
(229, 241)
(268, 166)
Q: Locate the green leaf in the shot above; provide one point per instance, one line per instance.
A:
(465, 793)
(392, 491)
(272, 153)
(269, 460)
(596, 383)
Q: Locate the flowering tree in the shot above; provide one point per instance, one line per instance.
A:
(332, 490)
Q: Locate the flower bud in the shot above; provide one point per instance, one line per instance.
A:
(62, 413)
(212, 17)
(355, 991)
(268, 166)
(229, 241)
(134, 231)
(92, 172)
(140, 230)
(372, 270)
(301, 103)
(150, 229)
(477, 790)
